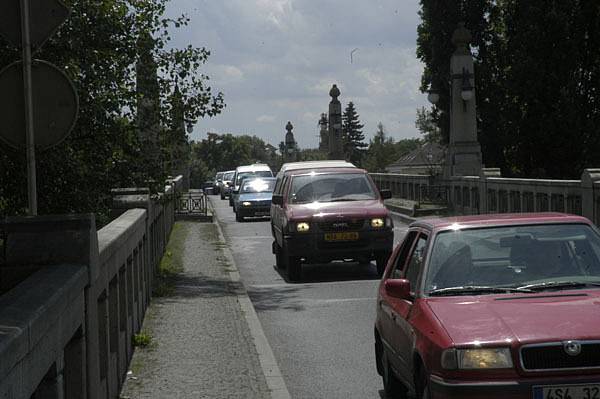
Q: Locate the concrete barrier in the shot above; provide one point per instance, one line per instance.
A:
(490, 193)
(66, 330)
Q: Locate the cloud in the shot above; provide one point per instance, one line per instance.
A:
(265, 119)
(275, 60)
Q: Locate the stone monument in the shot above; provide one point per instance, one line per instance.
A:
(323, 133)
(463, 157)
(335, 125)
(290, 144)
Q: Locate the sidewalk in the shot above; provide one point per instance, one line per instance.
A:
(206, 339)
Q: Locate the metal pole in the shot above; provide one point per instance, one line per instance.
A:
(28, 97)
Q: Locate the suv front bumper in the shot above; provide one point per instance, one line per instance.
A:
(314, 248)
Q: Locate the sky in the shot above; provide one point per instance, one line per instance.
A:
(276, 60)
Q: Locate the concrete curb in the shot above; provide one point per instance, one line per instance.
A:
(273, 375)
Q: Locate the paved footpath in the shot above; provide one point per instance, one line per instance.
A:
(206, 339)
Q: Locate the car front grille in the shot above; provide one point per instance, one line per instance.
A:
(342, 225)
(554, 357)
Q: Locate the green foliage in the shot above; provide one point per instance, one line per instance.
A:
(537, 71)
(427, 126)
(312, 154)
(171, 264)
(352, 135)
(383, 150)
(142, 339)
(220, 152)
(103, 47)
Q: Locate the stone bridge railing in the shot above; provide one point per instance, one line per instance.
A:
(66, 330)
(490, 193)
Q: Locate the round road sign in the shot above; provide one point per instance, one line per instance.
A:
(55, 105)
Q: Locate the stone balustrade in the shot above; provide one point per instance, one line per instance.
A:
(66, 330)
(490, 193)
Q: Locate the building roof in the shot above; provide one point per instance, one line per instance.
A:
(426, 155)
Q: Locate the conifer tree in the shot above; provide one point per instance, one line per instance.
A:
(352, 135)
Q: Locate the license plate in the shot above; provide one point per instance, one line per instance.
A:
(586, 391)
(346, 236)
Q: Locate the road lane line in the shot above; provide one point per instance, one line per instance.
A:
(271, 370)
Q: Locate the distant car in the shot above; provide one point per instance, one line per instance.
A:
(218, 182)
(208, 187)
(227, 182)
(254, 170)
(492, 306)
(254, 198)
(328, 210)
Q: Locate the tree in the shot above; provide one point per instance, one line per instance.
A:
(352, 135)
(536, 71)
(426, 125)
(104, 46)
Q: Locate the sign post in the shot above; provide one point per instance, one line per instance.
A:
(28, 97)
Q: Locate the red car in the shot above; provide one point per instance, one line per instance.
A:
(492, 306)
(324, 211)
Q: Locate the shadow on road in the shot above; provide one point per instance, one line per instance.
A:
(275, 298)
(332, 272)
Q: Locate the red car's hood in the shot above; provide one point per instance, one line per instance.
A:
(327, 210)
(543, 317)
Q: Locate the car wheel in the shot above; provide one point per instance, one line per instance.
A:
(381, 260)
(222, 196)
(422, 384)
(293, 266)
(392, 387)
(230, 201)
(238, 217)
(279, 261)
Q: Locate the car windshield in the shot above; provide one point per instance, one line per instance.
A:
(228, 176)
(527, 257)
(258, 173)
(257, 186)
(331, 187)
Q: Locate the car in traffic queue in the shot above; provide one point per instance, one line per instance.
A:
(492, 306)
(254, 198)
(254, 170)
(227, 183)
(218, 183)
(324, 211)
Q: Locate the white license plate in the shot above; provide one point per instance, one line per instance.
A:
(585, 391)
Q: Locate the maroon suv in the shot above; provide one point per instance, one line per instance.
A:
(323, 211)
(494, 306)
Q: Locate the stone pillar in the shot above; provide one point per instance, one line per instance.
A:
(588, 194)
(290, 144)
(463, 157)
(323, 133)
(335, 125)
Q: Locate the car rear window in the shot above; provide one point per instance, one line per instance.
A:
(330, 187)
(259, 173)
(257, 186)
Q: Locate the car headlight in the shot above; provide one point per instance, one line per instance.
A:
(474, 359)
(377, 223)
(302, 227)
(246, 203)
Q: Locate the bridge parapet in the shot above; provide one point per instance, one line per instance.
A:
(66, 330)
(490, 193)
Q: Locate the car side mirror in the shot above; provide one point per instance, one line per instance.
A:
(398, 288)
(385, 193)
(277, 199)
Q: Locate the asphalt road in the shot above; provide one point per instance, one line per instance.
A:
(321, 329)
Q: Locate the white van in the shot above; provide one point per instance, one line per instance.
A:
(255, 170)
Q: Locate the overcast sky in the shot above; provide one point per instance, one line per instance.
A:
(275, 60)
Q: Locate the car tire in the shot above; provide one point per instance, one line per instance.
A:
(222, 196)
(422, 384)
(381, 260)
(238, 217)
(392, 387)
(279, 261)
(230, 201)
(293, 266)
